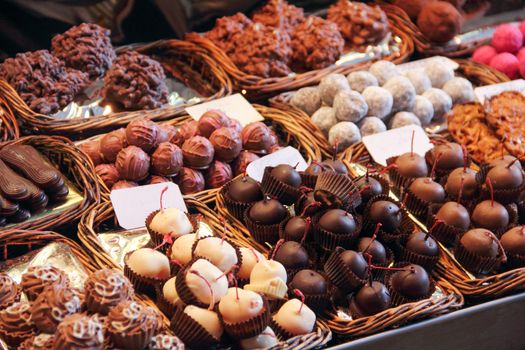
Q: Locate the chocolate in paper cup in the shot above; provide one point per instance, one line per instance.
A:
(280, 332)
(13, 340)
(336, 190)
(231, 243)
(340, 274)
(157, 238)
(235, 208)
(263, 233)
(446, 234)
(399, 182)
(275, 304)
(317, 302)
(190, 331)
(503, 196)
(385, 186)
(134, 341)
(515, 261)
(512, 210)
(142, 284)
(476, 263)
(442, 173)
(285, 193)
(165, 306)
(403, 254)
(417, 206)
(184, 292)
(249, 328)
(308, 180)
(330, 240)
(302, 203)
(397, 298)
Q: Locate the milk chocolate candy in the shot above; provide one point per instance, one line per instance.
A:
(20, 215)
(13, 186)
(7, 208)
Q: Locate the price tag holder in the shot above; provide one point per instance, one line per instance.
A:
(287, 155)
(484, 93)
(234, 106)
(395, 142)
(133, 205)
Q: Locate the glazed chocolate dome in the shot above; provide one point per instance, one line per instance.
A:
(376, 249)
(454, 214)
(309, 282)
(427, 190)
(412, 283)
(371, 299)
(287, 174)
(450, 156)
(198, 152)
(470, 185)
(294, 229)
(411, 165)
(210, 121)
(133, 164)
(142, 133)
(292, 255)
(226, 143)
(337, 221)
(480, 242)
(167, 159)
(506, 160)
(335, 165)
(305, 201)
(244, 189)
(313, 169)
(267, 212)
(256, 137)
(420, 243)
(386, 213)
(513, 241)
(242, 162)
(505, 177)
(355, 262)
(375, 188)
(490, 215)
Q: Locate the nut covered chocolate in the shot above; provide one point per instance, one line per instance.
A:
(280, 15)
(133, 164)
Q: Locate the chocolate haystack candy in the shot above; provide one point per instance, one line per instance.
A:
(279, 14)
(226, 28)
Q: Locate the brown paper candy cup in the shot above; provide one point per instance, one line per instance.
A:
(308, 180)
(285, 193)
(249, 328)
(336, 190)
(515, 261)
(444, 233)
(190, 331)
(157, 237)
(235, 208)
(379, 275)
(441, 173)
(385, 185)
(503, 196)
(135, 341)
(330, 240)
(416, 205)
(185, 294)
(235, 247)
(403, 254)
(280, 332)
(398, 298)
(512, 209)
(263, 233)
(399, 182)
(142, 284)
(317, 302)
(475, 263)
(164, 305)
(340, 274)
(275, 304)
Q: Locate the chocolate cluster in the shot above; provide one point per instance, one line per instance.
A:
(359, 23)
(86, 47)
(42, 80)
(135, 82)
(226, 29)
(197, 155)
(279, 14)
(27, 183)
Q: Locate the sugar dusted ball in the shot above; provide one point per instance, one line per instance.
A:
(507, 38)
(350, 106)
(419, 80)
(423, 110)
(439, 73)
(484, 54)
(345, 134)
(402, 91)
(360, 80)
(506, 63)
(460, 90)
(324, 118)
(379, 101)
(330, 86)
(307, 99)
(401, 119)
(371, 125)
(441, 102)
(383, 71)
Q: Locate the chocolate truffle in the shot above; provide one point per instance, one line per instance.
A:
(244, 159)
(105, 289)
(53, 305)
(383, 71)
(513, 241)
(307, 99)
(454, 214)
(403, 93)
(37, 278)
(135, 82)
(411, 7)
(470, 185)
(349, 106)
(218, 174)
(360, 80)
(379, 101)
(112, 143)
(80, 331)
(142, 133)
(9, 291)
(188, 130)
(419, 79)
(505, 177)
(421, 243)
(344, 134)
(423, 110)
(191, 181)
(374, 248)
(244, 189)
(267, 212)
(480, 242)
(280, 15)
(108, 173)
(441, 102)
(335, 165)
(412, 283)
(172, 134)
(427, 190)
(210, 121)
(338, 221)
(370, 300)
(355, 262)
(167, 159)
(331, 85)
(324, 118)
(86, 47)
(198, 152)
(490, 215)
(256, 137)
(371, 126)
(439, 21)
(292, 255)
(386, 213)
(411, 165)
(401, 119)
(460, 90)
(226, 143)
(287, 174)
(155, 179)
(133, 163)
(316, 44)
(92, 149)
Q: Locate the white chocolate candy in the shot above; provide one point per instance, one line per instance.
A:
(371, 125)
(402, 91)
(331, 85)
(293, 321)
(350, 106)
(401, 119)
(170, 292)
(268, 277)
(250, 257)
(149, 263)
(439, 73)
(211, 273)
(233, 310)
(379, 101)
(423, 110)
(345, 134)
(181, 248)
(265, 340)
(209, 320)
(383, 71)
(171, 220)
(307, 99)
(460, 90)
(324, 118)
(219, 252)
(360, 80)
(440, 100)
(419, 80)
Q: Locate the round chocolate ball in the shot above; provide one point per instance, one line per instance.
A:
(188, 130)
(191, 181)
(411, 165)
(292, 255)
(454, 214)
(197, 152)
(335, 165)
(142, 133)
(267, 212)
(218, 174)
(439, 21)
(226, 143)
(173, 134)
(450, 156)
(307, 99)
(167, 159)
(242, 162)
(244, 189)
(480, 242)
(470, 185)
(295, 228)
(374, 188)
(423, 244)
(287, 174)
(490, 215)
(112, 143)
(355, 262)
(427, 190)
(386, 213)
(210, 121)
(309, 282)
(374, 248)
(108, 173)
(92, 149)
(370, 299)
(338, 221)
(505, 177)
(133, 163)
(513, 241)
(413, 282)
(256, 137)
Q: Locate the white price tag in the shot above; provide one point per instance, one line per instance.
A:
(234, 106)
(287, 155)
(395, 142)
(485, 92)
(133, 205)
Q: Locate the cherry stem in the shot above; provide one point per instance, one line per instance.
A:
(512, 163)
(306, 230)
(254, 254)
(363, 189)
(369, 259)
(296, 165)
(167, 239)
(300, 295)
(403, 203)
(387, 168)
(374, 236)
(432, 173)
(465, 157)
(208, 284)
(227, 272)
(276, 248)
(460, 194)
(501, 249)
(491, 189)
(412, 144)
(162, 197)
(311, 205)
(437, 222)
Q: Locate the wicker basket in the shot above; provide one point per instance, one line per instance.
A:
(76, 167)
(185, 61)
(258, 88)
(102, 215)
(8, 125)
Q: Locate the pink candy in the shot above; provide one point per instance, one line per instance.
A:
(484, 54)
(506, 63)
(507, 38)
